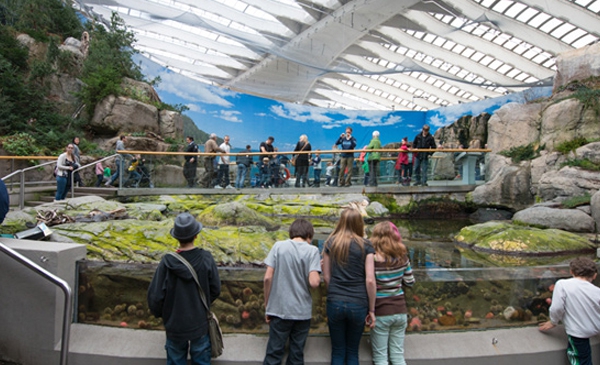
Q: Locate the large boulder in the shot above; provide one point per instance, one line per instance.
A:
(235, 214)
(170, 124)
(548, 161)
(577, 64)
(567, 182)
(595, 209)
(514, 125)
(466, 131)
(509, 187)
(63, 91)
(563, 121)
(443, 167)
(506, 244)
(590, 151)
(121, 115)
(572, 220)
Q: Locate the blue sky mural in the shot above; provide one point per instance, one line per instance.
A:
(250, 120)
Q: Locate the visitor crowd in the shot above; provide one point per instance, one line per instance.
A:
(364, 280)
(273, 168)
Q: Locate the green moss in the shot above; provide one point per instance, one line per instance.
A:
(577, 201)
(572, 145)
(523, 153)
(388, 201)
(505, 237)
(582, 163)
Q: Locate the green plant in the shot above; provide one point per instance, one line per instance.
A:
(576, 201)
(21, 144)
(586, 91)
(572, 145)
(582, 163)
(522, 153)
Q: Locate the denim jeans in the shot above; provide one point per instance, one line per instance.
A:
(61, 188)
(223, 177)
(421, 170)
(240, 177)
(579, 351)
(346, 323)
(280, 330)
(387, 338)
(317, 180)
(199, 348)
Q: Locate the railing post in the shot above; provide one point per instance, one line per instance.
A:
(22, 191)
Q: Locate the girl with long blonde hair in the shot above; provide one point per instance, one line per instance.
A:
(348, 271)
(392, 272)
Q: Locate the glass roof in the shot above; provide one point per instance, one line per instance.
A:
(360, 54)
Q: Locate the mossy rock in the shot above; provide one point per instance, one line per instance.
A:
(235, 214)
(509, 239)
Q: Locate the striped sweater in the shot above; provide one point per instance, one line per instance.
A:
(390, 296)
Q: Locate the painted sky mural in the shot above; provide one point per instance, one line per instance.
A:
(250, 120)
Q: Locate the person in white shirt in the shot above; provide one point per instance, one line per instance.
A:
(576, 302)
(223, 176)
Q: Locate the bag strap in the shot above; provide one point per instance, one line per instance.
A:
(195, 276)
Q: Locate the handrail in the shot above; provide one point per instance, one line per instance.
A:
(85, 166)
(22, 180)
(68, 309)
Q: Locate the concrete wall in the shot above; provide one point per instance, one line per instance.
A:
(31, 307)
(31, 318)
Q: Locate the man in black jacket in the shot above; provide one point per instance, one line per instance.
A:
(191, 162)
(173, 295)
(423, 140)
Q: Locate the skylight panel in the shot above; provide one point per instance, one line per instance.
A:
(495, 64)
(515, 10)
(595, 7)
(448, 45)
(527, 14)
(504, 69)
(583, 3)
(438, 83)
(429, 38)
(501, 39)
(477, 56)
(458, 49)
(550, 25)
(531, 80)
(460, 93)
(529, 54)
(562, 30)
(550, 63)
(502, 5)
(521, 76)
(539, 20)
(585, 40)
(462, 73)
(487, 3)
(513, 73)
(439, 41)
(453, 90)
(468, 52)
(573, 36)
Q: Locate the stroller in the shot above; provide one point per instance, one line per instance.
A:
(139, 175)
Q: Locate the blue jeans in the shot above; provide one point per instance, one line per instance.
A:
(579, 351)
(240, 178)
(61, 188)
(199, 348)
(119, 166)
(223, 176)
(421, 170)
(346, 323)
(317, 180)
(280, 330)
(388, 338)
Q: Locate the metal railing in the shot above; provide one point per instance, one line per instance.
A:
(63, 285)
(92, 164)
(21, 174)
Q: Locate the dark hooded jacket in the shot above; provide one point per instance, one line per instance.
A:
(173, 294)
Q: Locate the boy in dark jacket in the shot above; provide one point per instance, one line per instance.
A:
(173, 295)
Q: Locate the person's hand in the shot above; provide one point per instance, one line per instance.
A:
(370, 320)
(192, 159)
(546, 326)
(267, 318)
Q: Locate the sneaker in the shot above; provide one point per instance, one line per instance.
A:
(417, 184)
(229, 187)
(218, 187)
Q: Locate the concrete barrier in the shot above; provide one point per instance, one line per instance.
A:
(30, 318)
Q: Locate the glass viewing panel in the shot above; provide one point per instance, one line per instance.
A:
(114, 294)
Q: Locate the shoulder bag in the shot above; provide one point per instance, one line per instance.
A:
(214, 330)
(293, 162)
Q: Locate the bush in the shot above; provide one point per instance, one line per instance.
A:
(523, 153)
(577, 201)
(21, 144)
(571, 145)
(582, 163)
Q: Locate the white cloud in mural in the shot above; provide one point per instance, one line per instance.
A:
(195, 108)
(230, 116)
(436, 121)
(300, 113)
(185, 87)
(371, 119)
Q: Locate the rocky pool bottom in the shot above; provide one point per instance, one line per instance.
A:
(444, 299)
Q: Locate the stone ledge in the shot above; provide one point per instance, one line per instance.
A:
(91, 345)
